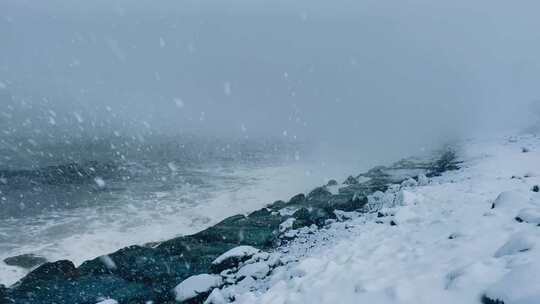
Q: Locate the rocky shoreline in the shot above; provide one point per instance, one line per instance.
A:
(187, 268)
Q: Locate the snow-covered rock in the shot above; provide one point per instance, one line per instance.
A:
(379, 199)
(529, 215)
(108, 301)
(519, 242)
(423, 180)
(233, 257)
(519, 286)
(286, 225)
(408, 183)
(509, 200)
(287, 211)
(246, 283)
(196, 285)
(406, 197)
(216, 297)
(256, 270)
(350, 181)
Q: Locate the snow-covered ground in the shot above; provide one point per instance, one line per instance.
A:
(454, 239)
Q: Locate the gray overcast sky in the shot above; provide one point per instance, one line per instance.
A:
(336, 71)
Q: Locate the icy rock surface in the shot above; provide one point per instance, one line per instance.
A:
(233, 257)
(216, 297)
(195, 286)
(257, 270)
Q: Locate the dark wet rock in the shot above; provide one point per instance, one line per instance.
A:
(319, 193)
(392, 223)
(25, 260)
(347, 203)
(487, 300)
(351, 190)
(332, 182)
(446, 162)
(351, 181)
(59, 270)
(312, 216)
(297, 199)
(380, 214)
(525, 150)
(84, 290)
(3, 294)
(367, 188)
(375, 172)
(260, 213)
(536, 188)
(277, 205)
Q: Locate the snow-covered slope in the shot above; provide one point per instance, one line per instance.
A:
(465, 237)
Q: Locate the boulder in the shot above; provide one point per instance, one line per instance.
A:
(519, 242)
(27, 261)
(347, 202)
(509, 199)
(351, 181)
(3, 294)
(286, 225)
(297, 199)
(56, 271)
(196, 288)
(257, 270)
(422, 180)
(312, 216)
(520, 286)
(82, 289)
(332, 182)
(529, 215)
(233, 257)
(216, 297)
(409, 183)
(320, 194)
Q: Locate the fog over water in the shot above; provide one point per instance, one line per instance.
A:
(355, 73)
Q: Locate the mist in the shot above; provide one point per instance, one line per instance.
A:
(359, 77)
